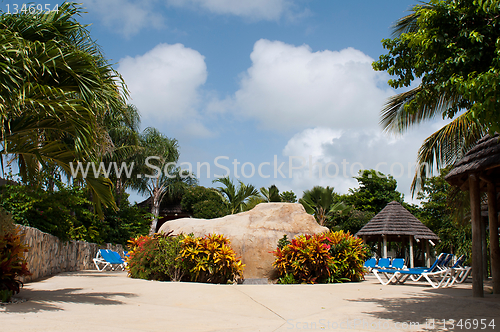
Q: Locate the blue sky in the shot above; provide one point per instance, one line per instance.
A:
(262, 81)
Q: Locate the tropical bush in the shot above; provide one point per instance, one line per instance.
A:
(155, 258)
(320, 258)
(350, 252)
(164, 257)
(306, 259)
(12, 262)
(211, 259)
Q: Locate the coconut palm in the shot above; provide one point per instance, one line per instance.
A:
(448, 144)
(55, 88)
(236, 197)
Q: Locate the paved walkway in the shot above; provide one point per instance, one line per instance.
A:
(109, 301)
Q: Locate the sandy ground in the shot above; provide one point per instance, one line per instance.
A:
(109, 301)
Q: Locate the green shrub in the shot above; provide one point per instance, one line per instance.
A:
(203, 202)
(155, 258)
(209, 209)
(320, 258)
(211, 259)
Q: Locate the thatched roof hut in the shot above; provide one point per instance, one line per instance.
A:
(479, 171)
(483, 158)
(396, 224)
(395, 220)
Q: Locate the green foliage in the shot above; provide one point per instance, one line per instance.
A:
(211, 259)
(235, 197)
(287, 279)
(12, 263)
(322, 203)
(453, 47)
(203, 202)
(6, 222)
(155, 258)
(56, 88)
(288, 197)
(128, 222)
(209, 210)
(283, 242)
(5, 295)
(445, 210)
(375, 191)
(253, 202)
(64, 213)
(351, 221)
(271, 194)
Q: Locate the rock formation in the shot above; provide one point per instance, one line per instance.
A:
(254, 234)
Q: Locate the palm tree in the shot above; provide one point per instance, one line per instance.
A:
(236, 197)
(55, 87)
(271, 194)
(448, 144)
(321, 202)
(123, 130)
(156, 161)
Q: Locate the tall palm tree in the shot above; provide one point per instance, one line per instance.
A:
(236, 197)
(158, 175)
(123, 130)
(448, 144)
(55, 87)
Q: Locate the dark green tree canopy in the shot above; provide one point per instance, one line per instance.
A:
(453, 46)
(375, 191)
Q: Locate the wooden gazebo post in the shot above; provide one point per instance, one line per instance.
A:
(479, 171)
(412, 260)
(477, 251)
(494, 246)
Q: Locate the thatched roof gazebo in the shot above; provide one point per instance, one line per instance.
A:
(479, 171)
(396, 224)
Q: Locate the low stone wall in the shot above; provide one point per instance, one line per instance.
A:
(48, 255)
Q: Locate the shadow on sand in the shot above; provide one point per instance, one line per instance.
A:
(47, 300)
(439, 309)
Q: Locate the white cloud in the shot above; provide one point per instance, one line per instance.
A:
(164, 84)
(291, 87)
(125, 16)
(351, 151)
(253, 9)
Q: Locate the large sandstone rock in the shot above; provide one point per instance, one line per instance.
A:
(253, 234)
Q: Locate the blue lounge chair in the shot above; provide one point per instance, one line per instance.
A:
(370, 264)
(430, 274)
(398, 263)
(460, 272)
(384, 263)
(108, 258)
(439, 265)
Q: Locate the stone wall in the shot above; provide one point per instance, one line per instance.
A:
(48, 255)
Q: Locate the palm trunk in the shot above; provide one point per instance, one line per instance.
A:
(155, 210)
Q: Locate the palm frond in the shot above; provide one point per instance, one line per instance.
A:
(446, 146)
